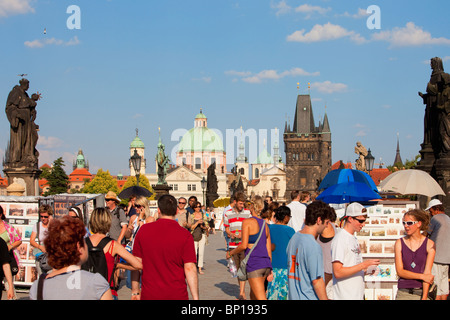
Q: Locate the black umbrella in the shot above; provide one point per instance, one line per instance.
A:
(135, 190)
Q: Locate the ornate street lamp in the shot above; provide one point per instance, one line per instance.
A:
(369, 160)
(204, 183)
(136, 162)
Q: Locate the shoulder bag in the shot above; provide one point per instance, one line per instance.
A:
(242, 271)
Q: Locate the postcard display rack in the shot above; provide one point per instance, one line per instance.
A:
(377, 239)
(23, 213)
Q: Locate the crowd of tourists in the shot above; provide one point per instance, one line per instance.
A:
(298, 251)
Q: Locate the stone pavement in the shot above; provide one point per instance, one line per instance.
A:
(215, 284)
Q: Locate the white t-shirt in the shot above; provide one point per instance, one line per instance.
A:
(345, 249)
(297, 220)
(42, 232)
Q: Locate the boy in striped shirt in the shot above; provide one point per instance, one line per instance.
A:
(232, 222)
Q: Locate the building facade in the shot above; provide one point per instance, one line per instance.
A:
(198, 149)
(307, 148)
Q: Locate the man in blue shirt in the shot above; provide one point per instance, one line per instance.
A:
(305, 258)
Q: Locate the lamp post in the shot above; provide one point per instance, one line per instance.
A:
(204, 183)
(369, 160)
(136, 162)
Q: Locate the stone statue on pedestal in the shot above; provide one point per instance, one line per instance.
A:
(435, 152)
(211, 186)
(361, 151)
(437, 101)
(163, 161)
(20, 164)
(21, 113)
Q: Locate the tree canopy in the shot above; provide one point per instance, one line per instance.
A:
(57, 178)
(102, 183)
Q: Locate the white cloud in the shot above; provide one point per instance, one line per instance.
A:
(204, 79)
(238, 73)
(12, 7)
(325, 32)
(329, 87)
(40, 43)
(361, 13)
(409, 36)
(306, 8)
(48, 157)
(273, 75)
(49, 142)
(361, 133)
(281, 7)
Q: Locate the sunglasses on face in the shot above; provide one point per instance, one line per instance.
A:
(409, 223)
(138, 206)
(360, 220)
(45, 217)
(181, 202)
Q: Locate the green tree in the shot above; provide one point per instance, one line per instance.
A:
(409, 164)
(57, 178)
(45, 173)
(102, 183)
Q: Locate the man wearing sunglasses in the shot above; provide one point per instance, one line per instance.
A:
(183, 217)
(348, 265)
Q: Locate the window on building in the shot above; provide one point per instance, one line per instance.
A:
(198, 163)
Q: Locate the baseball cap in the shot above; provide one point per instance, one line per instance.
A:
(355, 209)
(433, 203)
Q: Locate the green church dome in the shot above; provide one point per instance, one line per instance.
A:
(201, 139)
(200, 115)
(264, 157)
(137, 143)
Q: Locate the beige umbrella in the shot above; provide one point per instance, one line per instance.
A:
(411, 181)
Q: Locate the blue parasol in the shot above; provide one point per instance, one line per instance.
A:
(348, 192)
(347, 175)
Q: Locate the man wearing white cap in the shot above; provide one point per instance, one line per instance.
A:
(439, 232)
(348, 265)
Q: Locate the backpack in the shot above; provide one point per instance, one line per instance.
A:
(96, 262)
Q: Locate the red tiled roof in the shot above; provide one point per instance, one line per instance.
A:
(80, 175)
(378, 175)
(120, 183)
(3, 182)
(43, 183)
(336, 165)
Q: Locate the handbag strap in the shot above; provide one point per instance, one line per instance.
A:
(263, 228)
(40, 288)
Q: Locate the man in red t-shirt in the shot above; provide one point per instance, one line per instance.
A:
(168, 256)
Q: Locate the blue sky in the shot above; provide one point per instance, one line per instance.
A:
(149, 64)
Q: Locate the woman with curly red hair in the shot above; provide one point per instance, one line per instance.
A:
(67, 251)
